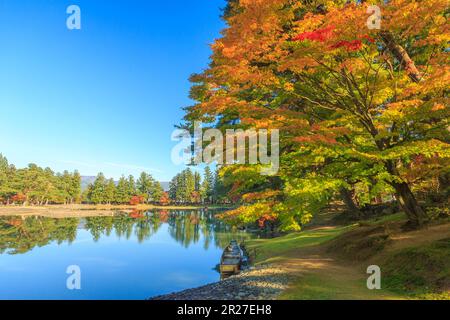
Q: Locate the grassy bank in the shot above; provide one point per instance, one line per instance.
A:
(281, 248)
(331, 262)
(422, 272)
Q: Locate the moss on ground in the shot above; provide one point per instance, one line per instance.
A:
(423, 271)
(360, 244)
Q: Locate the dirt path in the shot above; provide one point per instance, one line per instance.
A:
(419, 237)
(321, 275)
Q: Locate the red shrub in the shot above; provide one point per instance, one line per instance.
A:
(135, 200)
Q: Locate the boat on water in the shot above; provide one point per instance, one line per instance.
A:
(231, 260)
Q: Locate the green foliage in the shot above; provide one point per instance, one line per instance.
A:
(148, 187)
(182, 187)
(207, 185)
(104, 191)
(35, 185)
(121, 194)
(359, 110)
(20, 235)
(189, 187)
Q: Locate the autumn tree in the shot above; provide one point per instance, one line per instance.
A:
(355, 105)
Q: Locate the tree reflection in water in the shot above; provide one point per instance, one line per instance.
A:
(22, 234)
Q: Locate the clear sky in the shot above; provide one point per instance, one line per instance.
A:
(106, 97)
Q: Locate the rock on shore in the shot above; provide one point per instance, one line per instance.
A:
(261, 283)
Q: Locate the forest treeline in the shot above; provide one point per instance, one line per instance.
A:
(189, 187)
(34, 185)
(37, 186)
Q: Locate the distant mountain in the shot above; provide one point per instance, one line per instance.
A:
(87, 180)
(165, 185)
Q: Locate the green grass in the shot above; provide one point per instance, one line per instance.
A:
(324, 286)
(412, 273)
(270, 250)
(422, 272)
(317, 284)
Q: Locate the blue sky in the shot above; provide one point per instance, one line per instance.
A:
(106, 97)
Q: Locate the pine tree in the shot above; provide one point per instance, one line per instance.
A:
(122, 191)
(207, 188)
(132, 191)
(97, 193)
(157, 191)
(145, 185)
(110, 191)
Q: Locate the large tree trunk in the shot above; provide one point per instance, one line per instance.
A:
(408, 202)
(349, 203)
(401, 55)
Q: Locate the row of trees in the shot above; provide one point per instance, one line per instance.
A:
(190, 187)
(127, 190)
(37, 186)
(362, 113)
(187, 187)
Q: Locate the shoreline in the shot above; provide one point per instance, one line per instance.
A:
(86, 210)
(257, 283)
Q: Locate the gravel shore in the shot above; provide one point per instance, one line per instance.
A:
(260, 283)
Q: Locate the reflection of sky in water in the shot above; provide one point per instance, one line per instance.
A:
(113, 267)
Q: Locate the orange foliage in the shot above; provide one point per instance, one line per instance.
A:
(135, 200)
(165, 199)
(136, 214)
(18, 198)
(164, 215)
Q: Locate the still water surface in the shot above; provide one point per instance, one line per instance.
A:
(126, 256)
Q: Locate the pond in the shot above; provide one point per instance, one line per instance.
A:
(124, 256)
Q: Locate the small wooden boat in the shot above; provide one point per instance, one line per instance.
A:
(231, 258)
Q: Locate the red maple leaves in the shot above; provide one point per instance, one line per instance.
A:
(320, 35)
(325, 34)
(353, 45)
(135, 200)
